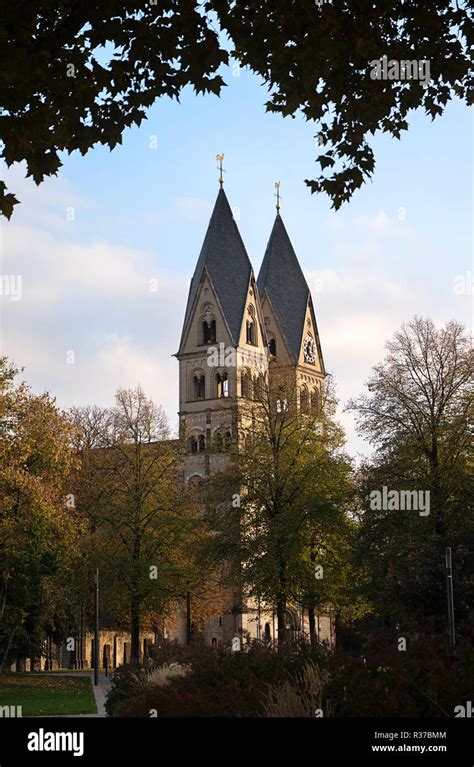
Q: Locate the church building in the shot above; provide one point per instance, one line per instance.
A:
(270, 320)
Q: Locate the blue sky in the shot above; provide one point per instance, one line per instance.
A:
(140, 214)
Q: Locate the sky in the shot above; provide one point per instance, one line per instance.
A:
(106, 249)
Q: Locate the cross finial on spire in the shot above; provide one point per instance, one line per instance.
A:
(277, 195)
(219, 158)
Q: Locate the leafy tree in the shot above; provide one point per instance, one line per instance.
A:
(75, 73)
(293, 484)
(143, 523)
(38, 529)
(417, 416)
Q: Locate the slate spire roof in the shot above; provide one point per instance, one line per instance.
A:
(225, 259)
(283, 280)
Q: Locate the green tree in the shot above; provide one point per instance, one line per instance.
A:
(417, 416)
(143, 523)
(292, 481)
(74, 73)
(39, 529)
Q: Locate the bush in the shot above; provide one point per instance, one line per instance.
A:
(219, 683)
(428, 680)
(301, 696)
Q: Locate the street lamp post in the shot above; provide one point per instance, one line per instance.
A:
(96, 638)
(449, 586)
(188, 617)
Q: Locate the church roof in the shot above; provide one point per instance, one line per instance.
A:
(281, 276)
(224, 257)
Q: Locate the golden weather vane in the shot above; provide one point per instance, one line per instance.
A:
(277, 194)
(220, 158)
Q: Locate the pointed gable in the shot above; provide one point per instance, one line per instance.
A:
(287, 290)
(224, 258)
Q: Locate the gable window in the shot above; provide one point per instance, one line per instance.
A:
(208, 325)
(251, 333)
(272, 347)
(222, 385)
(209, 332)
(251, 327)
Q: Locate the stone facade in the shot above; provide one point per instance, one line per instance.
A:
(113, 645)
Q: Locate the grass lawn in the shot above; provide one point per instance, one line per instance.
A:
(43, 694)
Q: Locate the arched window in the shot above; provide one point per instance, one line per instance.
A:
(201, 443)
(199, 387)
(193, 445)
(222, 385)
(304, 400)
(226, 440)
(222, 440)
(272, 347)
(315, 401)
(208, 325)
(195, 481)
(267, 635)
(209, 332)
(251, 326)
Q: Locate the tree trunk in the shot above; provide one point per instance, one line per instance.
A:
(135, 633)
(135, 597)
(281, 620)
(9, 643)
(3, 598)
(312, 625)
(281, 600)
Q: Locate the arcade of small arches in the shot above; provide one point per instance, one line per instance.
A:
(219, 384)
(309, 401)
(250, 388)
(221, 441)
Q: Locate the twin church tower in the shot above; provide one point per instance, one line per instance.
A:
(271, 321)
